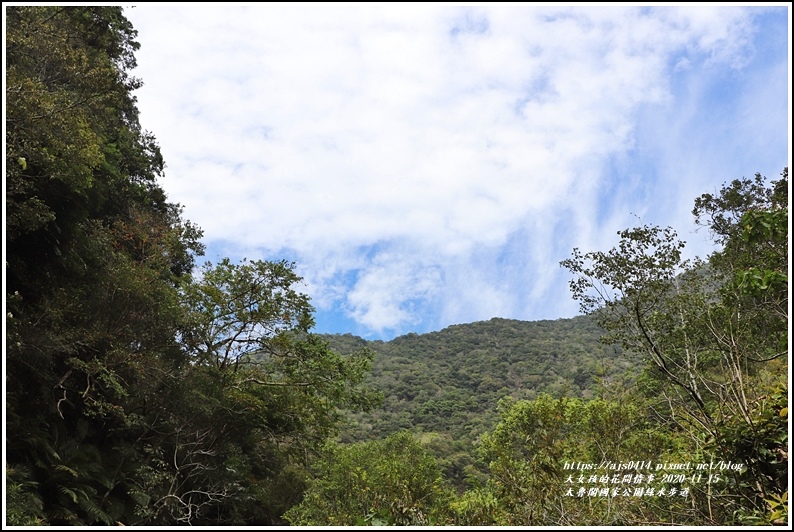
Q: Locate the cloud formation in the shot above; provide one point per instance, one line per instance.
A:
(429, 165)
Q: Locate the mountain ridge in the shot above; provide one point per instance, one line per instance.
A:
(451, 381)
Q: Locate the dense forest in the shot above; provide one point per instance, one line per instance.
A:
(446, 385)
(146, 388)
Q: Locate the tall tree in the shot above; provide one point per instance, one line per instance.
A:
(94, 253)
(136, 394)
(259, 396)
(714, 332)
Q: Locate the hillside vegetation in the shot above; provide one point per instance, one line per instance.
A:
(145, 389)
(451, 381)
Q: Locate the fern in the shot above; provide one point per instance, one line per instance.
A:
(24, 506)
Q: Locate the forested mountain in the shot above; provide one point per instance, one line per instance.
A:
(144, 390)
(451, 381)
(445, 386)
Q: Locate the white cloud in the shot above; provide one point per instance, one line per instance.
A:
(434, 135)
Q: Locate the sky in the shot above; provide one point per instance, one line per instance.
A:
(428, 164)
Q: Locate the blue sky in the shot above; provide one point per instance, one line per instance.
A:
(427, 165)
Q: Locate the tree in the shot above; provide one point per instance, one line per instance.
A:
(94, 253)
(248, 322)
(714, 333)
(643, 293)
(531, 450)
(751, 221)
(384, 482)
(253, 402)
(136, 393)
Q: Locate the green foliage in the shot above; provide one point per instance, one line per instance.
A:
(760, 443)
(254, 401)
(241, 310)
(136, 394)
(638, 292)
(750, 219)
(776, 513)
(712, 332)
(450, 381)
(528, 451)
(249, 323)
(525, 454)
(383, 482)
(23, 504)
(478, 507)
(94, 253)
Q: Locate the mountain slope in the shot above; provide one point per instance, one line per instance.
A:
(450, 381)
